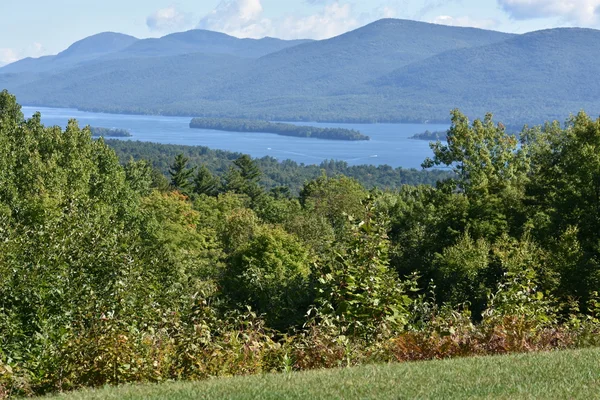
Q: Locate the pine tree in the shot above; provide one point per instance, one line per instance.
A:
(205, 182)
(181, 175)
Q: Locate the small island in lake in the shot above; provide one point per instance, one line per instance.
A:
(109, 132)
(278, 128)
(431, 136)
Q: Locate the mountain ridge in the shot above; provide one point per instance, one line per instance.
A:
(387, 71)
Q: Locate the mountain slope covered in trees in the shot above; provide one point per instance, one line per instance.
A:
(548, 73)
(276, 84)
(87, 49)
(203, 41)
(390, 70)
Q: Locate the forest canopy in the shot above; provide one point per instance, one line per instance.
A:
(114, 273)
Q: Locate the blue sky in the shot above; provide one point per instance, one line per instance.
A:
(31, 28)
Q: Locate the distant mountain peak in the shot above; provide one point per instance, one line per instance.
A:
(105, 42)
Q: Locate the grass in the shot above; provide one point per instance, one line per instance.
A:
(556, 375)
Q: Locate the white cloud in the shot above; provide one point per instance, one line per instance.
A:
(8, 56)
(333, 20)
(466, 22)
(245, 18)
(238, 18)
(168, 19)
(386, 12)
(585, 12)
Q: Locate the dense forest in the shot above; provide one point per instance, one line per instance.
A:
(109, 132)
(278, 128)
(274, 173)
(113, 273)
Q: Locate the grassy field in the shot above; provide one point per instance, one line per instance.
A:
(558, 375)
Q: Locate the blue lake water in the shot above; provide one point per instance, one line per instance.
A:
(389, 144)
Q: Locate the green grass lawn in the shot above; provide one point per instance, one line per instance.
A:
(557, 375)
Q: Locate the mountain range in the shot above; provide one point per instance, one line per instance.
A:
(388, 71)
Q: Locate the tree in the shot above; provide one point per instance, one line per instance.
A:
(491, 171)
(334, 199)
(248, 169)
(181, 175)
(358, 288)
(243, 178)
(564, 199)
(270, 272)
(139, 176)
(205, 182)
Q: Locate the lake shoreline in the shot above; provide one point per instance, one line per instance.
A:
(299, 120)
(389, 144)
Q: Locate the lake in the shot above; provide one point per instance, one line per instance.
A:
(389, 144)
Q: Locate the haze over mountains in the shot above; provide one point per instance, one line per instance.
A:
(390, 70)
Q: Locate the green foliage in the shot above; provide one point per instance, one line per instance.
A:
(181, 175)
(430, 136)
(334, 199)
(274, 173)
(461, 271)
(205, 182)
(108, 275)
(359, 289)
(270, 272)
(139, 176)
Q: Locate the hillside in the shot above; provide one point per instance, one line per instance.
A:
(202, 41)
(547, 74)
(336, 65)
(130, 84)
(558, 375)
(314, 80)
(108, 46)
(87, 49)
(388, 71)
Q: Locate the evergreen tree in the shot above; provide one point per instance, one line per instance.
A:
(205, 182)
(181, 175)
(248, 169)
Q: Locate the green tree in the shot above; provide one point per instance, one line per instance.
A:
(564, 199)
(270, 272)
(248, 169)
(334, 199)
(181, 175)
(359, 289)
(205, 182)
(491, 171)
(139, 176)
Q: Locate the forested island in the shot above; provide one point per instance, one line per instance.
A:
(278, 128)
(109, 132)
(430, 136)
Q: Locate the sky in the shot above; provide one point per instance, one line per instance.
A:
(33, 28)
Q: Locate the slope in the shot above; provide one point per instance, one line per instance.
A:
(530, 78)
(129, 84)
(203, 41)
(289, 84)
(84, 50)
(336, 65)
(556, 375)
